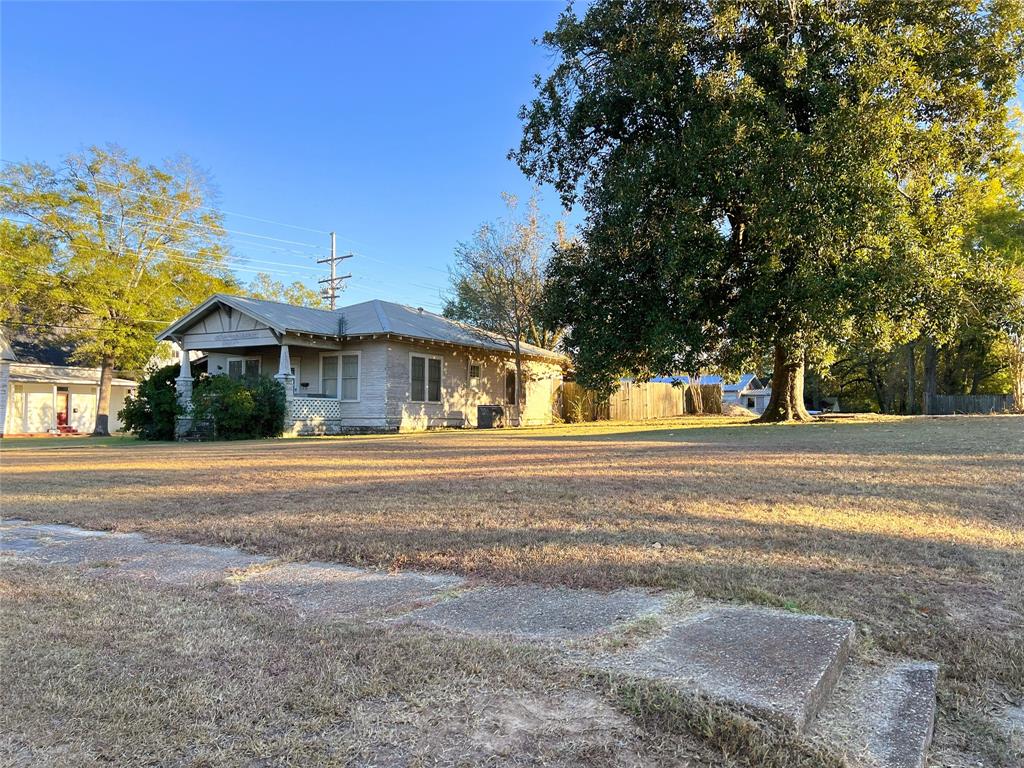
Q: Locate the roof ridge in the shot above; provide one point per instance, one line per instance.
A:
(382, 315)
(274, 301)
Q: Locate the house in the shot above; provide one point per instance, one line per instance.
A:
(375, 366)
(40, 394)
(747, 391)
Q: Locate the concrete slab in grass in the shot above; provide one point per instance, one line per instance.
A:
(781, 665)
(64, 545)
(187, 564)
(130, 554)
(883, 718)
(339, 591)
(538, 613)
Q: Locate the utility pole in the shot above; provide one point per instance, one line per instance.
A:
(330, 291)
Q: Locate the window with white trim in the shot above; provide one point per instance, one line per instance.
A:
(350, 376)
(329, 375)
(424, 379)
(243, 366)
(474, 374)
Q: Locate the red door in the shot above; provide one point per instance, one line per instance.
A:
(62, 409)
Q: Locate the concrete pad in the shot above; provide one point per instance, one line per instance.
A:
(339, 591)
(538, 613)
(883, 718)
(187, 564)
(781, 665)
(64, 545)
(125, 553)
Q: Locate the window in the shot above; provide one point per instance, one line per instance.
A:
(350, 377)
(511, 391)
(243, 366)
(474, 374)
(750, 402)
(329, 375)
(425, 379)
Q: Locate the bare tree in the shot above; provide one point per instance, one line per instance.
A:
(497, 282)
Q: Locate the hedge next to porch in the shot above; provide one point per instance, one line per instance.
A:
(150, 414)
(240, 409)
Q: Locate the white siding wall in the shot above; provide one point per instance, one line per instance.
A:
(385, 385)
(30, 407)
(459, 397)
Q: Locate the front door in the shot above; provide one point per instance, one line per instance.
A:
(62, 409)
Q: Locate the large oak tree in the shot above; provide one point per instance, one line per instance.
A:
(759, 176)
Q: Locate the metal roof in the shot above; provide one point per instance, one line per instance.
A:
(368, 318)
(740, 385)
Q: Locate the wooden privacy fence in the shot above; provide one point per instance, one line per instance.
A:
(636, 402)
(949, 404)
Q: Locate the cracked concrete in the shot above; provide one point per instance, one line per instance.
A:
(780, 665)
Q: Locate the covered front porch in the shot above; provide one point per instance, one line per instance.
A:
(321, 381)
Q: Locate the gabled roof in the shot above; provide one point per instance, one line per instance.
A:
(44, 348)
(367, 318)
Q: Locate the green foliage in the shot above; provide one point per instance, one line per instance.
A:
(150, 414)
(263, 286)
(251, 407)
(134, 246)
(26, 273)
(769, 173)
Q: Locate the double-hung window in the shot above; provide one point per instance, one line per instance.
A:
(339, 376)
(243, 366)
(329, 375)
(350, 377)
(425, 379)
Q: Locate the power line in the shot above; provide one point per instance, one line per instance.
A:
(203, 207)
(213, 229)
(228, 260)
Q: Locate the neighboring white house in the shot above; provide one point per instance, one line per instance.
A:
(373, 366)
(43, 398)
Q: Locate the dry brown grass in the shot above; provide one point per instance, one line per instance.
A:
(913, 527)
(108, 672)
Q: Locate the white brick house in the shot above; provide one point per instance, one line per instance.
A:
(373, 366)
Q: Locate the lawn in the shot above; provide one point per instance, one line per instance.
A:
(912, 527)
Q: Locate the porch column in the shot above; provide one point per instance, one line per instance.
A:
(53, 410)
(5, 392)
(183, 390)
(287, 380)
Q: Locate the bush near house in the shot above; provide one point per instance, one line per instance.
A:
(240, 409)
(150, 413)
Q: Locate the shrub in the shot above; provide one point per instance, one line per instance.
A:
(240, 409)
(150, 413)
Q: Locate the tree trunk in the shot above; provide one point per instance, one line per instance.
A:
(931, 365)
(103, 406)
(787, 400)
(696, 396)
(1017, 371)
(911, 379)
(520, 386)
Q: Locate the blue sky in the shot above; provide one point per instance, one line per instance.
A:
(387, 122)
